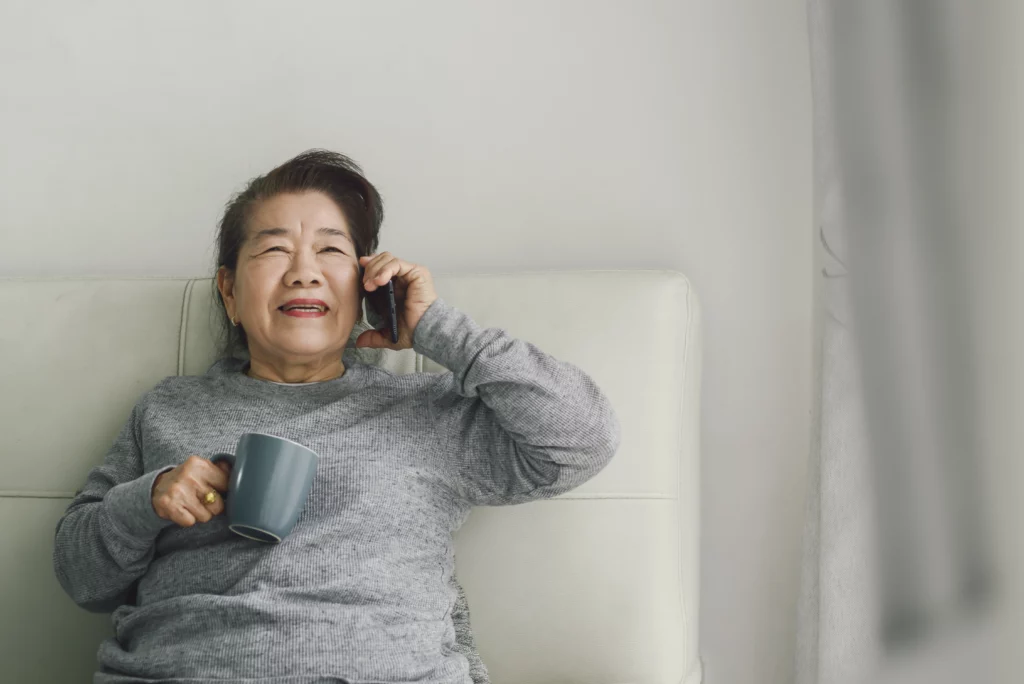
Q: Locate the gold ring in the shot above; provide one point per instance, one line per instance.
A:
(211, 497)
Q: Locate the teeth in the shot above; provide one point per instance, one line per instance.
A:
(304, 308)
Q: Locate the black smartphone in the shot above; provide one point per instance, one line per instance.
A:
(392, 311)
(383, 305)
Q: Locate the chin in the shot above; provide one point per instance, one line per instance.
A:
(310, 347)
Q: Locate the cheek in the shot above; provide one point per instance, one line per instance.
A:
(343, 269)
(345, 281)
(258, 285)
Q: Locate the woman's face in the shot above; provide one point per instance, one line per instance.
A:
(297, 246)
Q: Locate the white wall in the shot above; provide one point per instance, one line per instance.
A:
(504, 135)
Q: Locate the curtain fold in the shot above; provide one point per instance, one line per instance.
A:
(896, 556)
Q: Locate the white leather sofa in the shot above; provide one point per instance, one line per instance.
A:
(599, 586)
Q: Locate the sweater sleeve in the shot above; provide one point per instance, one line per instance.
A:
(515, 423)
(105, 540)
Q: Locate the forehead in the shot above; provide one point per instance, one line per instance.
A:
(292, 214)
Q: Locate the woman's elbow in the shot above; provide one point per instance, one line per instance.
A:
(591, 460)
(603, 442)
(74, 579)
(62, 569)
(83, 596)
(67, 581)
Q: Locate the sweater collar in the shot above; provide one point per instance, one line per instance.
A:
(231, 370)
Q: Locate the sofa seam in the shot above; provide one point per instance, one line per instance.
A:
(679, 475)
(186, 303)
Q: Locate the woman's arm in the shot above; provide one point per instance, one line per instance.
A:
(105, 539)
(515, 424)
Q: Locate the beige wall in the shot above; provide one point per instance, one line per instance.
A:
(504, 135)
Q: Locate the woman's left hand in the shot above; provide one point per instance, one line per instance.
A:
(414, 293)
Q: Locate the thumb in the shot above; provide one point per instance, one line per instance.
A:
(373, 339)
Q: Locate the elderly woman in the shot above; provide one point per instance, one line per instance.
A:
(363, 589)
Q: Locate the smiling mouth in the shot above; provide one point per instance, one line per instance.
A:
(305, 311)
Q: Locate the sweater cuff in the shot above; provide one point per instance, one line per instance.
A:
(130, 506)
(445, 335)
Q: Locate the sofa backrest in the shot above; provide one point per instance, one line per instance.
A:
(599, 585)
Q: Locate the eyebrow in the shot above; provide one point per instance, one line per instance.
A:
(276, 232)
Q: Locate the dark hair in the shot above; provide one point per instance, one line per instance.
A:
(331, 173)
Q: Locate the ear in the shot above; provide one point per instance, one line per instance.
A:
(226, 286)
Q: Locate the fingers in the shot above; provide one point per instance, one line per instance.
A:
(375, 275)
(183, 518)
(182, 498)
(197, 509)
(216, 508)
(380, 268)
(212, 474)
(374, 339)
(208, 477)
(177, 501)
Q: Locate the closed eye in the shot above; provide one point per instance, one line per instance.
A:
(325, 249)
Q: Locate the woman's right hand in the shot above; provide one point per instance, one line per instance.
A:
(178, 494)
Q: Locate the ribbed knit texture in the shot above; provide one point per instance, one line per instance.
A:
(363, 589)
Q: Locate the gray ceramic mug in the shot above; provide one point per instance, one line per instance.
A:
(270, 481)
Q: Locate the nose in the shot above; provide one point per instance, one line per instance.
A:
(303, 271)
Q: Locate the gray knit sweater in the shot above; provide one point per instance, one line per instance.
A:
(362, 590)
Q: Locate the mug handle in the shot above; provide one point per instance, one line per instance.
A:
(230, 458)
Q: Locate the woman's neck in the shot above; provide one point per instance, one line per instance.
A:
(294, 374)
